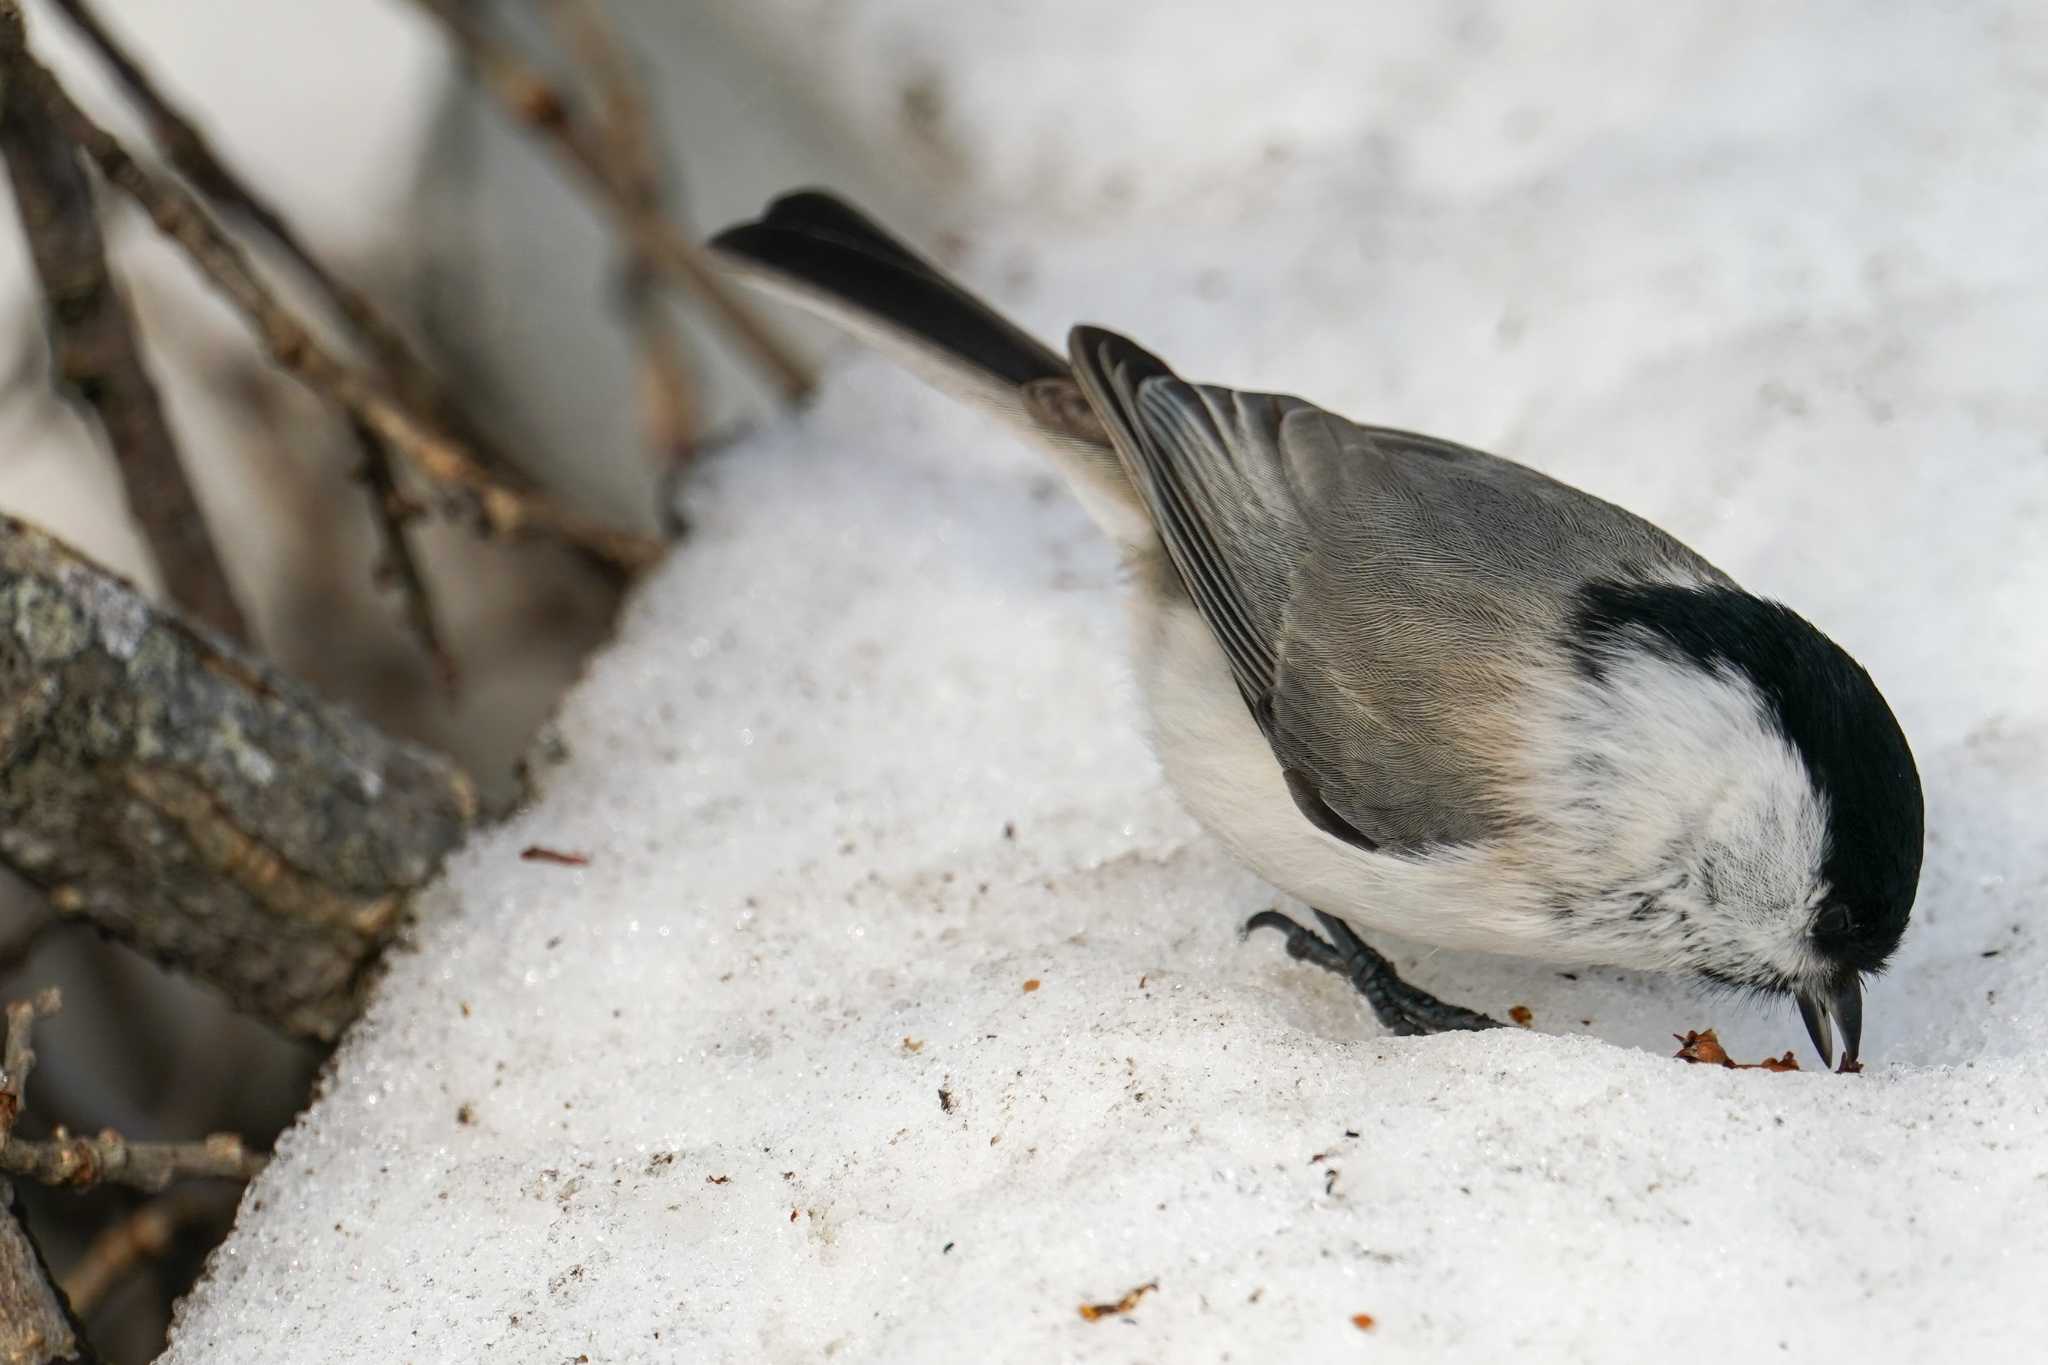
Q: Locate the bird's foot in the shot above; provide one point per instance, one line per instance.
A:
(1403, 1008)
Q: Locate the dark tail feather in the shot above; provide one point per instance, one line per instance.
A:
(831, 258)
(815, 240)
(830, 218)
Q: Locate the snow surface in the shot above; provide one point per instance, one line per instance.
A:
(767, 1081)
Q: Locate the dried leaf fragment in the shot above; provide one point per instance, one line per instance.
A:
(1091, 1312)
(1704, 1048)
(1701, 1047)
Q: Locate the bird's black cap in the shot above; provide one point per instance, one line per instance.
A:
(1830, 712)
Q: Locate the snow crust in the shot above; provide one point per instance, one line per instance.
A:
(769, 1078)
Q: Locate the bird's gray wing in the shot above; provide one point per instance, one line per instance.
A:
(1377, 593)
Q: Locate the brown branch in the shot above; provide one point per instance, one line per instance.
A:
(180, 795)
(625, 142)
(17, 1059)
(668, 402)
(80, 1162)
(110, 1159)
(121, 1247)
(532, 100)
(413, 379)
(36, 1321)
(669, 407)
(392, 512)
(98, 360)
(189, 150)
(461, 486)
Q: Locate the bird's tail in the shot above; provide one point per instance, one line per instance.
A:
(819, 251)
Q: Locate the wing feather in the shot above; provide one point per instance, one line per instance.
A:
(1375, 591)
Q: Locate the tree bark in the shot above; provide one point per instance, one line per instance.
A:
(36, 1327)
(188, 798)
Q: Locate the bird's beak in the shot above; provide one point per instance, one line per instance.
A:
(1823, 1013)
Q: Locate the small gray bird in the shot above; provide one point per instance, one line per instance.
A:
(1428, 689)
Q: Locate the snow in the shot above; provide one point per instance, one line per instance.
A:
(767, 1080)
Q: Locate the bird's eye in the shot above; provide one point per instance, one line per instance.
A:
(1832, 923)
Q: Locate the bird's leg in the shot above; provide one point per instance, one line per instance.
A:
(1400, 1006)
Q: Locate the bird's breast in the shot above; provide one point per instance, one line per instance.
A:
(1469, 897)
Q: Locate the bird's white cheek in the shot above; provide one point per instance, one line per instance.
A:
(1681, 790)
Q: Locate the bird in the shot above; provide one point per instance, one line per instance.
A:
(1428, 690)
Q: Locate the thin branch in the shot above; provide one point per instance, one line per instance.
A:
(531, 99)
(668, 399)
(415, 382)
(123, 1246)
(17, 1059)
(460, 484)
(669, 406)
(188, 149)
(393, 514)
(625, 142)
(110, 1159)
(98, 360)
(79, 1162)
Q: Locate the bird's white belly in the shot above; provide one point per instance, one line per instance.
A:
(1226, 776)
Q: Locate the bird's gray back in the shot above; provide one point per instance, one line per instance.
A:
(1422, 574)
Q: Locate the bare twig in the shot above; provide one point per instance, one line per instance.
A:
(669, 407)
(668, 401)
(62, 1159)
(17, 1059)
(413, 379)
(393, 513)
(98, 361)
(81, 1162)
(461, 486)
(626, 140)
(533, 100)
(121, 1247)
(188, 149)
